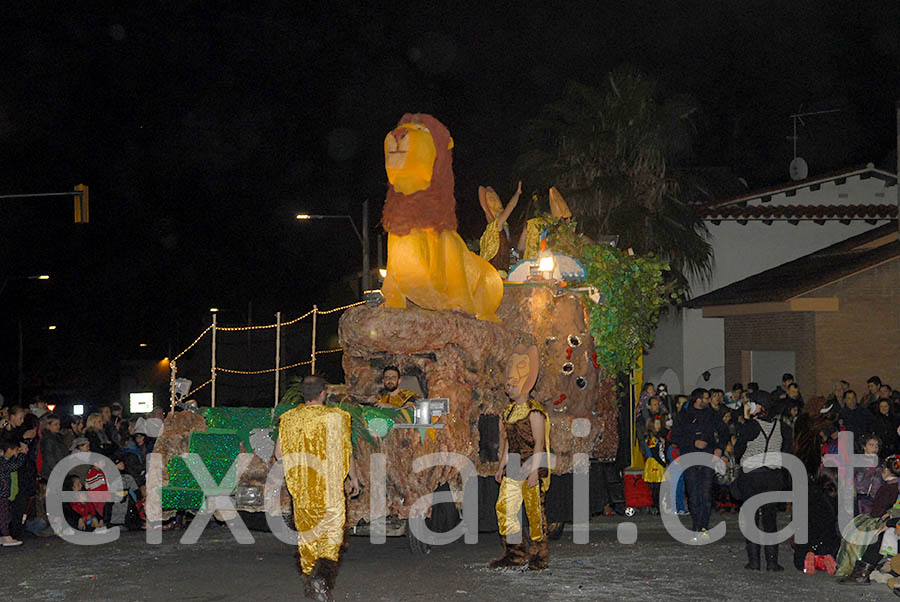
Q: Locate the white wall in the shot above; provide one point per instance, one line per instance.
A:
(691, 344)
(742, 251)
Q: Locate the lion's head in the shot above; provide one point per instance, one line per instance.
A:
(419, 167)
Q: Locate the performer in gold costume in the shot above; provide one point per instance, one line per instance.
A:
(527, 434)
(394, 396)
(314, 441)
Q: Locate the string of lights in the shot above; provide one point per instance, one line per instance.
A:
(331, 311)
(197, 389)
(270, 370)
(197, 340)
(288, 323)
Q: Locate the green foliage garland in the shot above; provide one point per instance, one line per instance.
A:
(633, 293)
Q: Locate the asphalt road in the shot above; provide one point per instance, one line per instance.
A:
(656, 567)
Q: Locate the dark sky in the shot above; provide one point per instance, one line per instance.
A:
(202, 128)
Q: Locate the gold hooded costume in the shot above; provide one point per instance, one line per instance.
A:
(316, 449)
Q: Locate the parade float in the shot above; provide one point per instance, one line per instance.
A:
(448, 321)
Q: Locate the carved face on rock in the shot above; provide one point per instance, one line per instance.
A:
(521, 371)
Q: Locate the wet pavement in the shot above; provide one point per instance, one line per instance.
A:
(656, 567)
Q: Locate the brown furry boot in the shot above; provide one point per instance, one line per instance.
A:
(516, 556)
(321, 580)
(540, 550)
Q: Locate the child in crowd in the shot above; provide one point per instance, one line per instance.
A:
(80, 515)
(95, 482)
(654, 447)
(726, 477)
(12, 459)
(867, 479)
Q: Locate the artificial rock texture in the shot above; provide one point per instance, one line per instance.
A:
(456, 356)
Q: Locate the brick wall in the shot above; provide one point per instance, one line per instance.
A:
(863, 338)
(788, 331)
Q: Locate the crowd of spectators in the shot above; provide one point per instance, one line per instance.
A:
(34, 440)
(748, 430)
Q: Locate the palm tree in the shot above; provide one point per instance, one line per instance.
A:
(611, 152)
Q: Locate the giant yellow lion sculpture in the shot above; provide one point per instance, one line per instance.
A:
(428, 263)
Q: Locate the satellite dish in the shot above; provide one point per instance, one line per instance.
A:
(799, 169)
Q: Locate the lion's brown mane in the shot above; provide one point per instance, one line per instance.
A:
(434, 207)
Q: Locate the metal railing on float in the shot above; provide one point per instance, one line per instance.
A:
(213, 329)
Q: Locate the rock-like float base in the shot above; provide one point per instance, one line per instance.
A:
(455, 356)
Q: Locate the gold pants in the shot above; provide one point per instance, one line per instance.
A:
(512, 495)
(328, 543)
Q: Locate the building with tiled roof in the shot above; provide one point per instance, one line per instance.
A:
(827, 316)
(753, 232)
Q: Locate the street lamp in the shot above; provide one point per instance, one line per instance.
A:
(363, 237)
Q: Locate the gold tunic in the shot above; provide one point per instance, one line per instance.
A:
(316, 449)
(398, 398)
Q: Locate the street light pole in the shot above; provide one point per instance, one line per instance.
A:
(362, 236)
(366, 275)
(21, 361)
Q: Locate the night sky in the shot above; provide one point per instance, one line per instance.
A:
(202, 129)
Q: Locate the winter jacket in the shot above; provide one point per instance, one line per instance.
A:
(53, 449)
(7, 467)
(706, 425)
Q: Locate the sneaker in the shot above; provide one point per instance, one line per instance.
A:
(8, 541)
(830, 564)
(809, 564)
(683, 513)
(700, 538)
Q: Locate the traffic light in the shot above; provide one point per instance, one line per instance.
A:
(82, 204)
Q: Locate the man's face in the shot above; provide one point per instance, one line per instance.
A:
(53, 426)
(116, 411)
(105, 414)
(884, 407)
(884, 392)
(17, 419)
(850, 400)
(873, 388)
(702, 402)
(793, 391)
(717, 398)
(653, 405)
(391, 380)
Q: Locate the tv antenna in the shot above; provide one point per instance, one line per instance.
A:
(798, 167)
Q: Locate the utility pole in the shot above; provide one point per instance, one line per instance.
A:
(366, 275)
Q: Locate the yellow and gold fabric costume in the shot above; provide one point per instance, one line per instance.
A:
(533, 229)
(316, 449)
(398, 398)
(513, 493)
